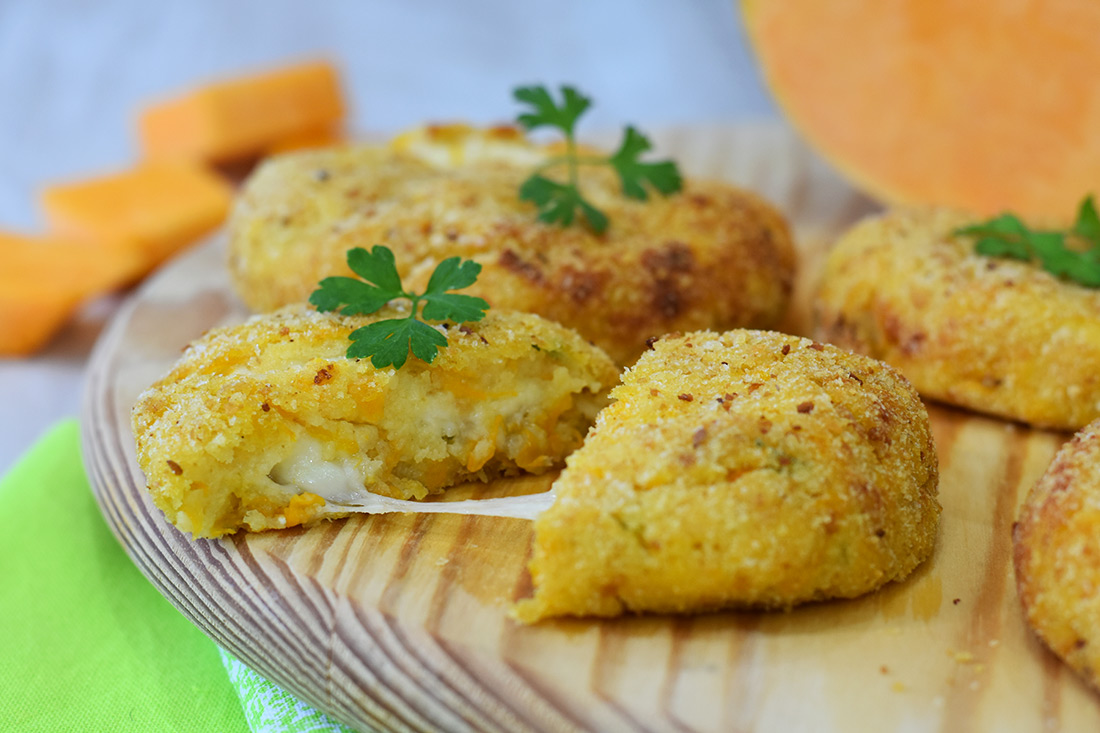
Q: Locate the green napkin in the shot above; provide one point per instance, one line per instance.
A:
(87, 643)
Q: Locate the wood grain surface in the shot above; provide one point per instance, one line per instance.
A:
(399, 622)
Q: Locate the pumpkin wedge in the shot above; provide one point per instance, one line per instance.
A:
(986, 106)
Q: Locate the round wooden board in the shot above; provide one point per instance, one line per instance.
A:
(400, 622)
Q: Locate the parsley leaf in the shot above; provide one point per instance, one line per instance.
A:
(1000, 237)
(559, 203)
(1088, 222)
(546, 111)
(1007, 236)
(633, 173)
(453, 274)
(382, 285)
(388, 342)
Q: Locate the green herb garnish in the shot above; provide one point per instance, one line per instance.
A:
(558, 203)
(1007, 236)
(388, 342)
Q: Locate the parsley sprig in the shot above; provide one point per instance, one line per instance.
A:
(1073, 254)
(388, 342)
(559, 203)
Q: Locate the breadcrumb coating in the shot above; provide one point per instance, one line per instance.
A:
(713, 256)
(1056, 546)
(994, 335)
(744, 469)
(260, 424)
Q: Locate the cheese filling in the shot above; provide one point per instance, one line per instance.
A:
(340, 483)
(339, 480)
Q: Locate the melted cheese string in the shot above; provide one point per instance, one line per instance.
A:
(528, 506)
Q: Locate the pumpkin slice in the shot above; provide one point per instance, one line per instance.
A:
(243, 117)
(44, 280)
(982, 106)
(156, 209)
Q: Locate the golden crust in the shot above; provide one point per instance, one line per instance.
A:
(714, 256)
(257, 423)
(747, 469)
(1056, 546)
(994, 335)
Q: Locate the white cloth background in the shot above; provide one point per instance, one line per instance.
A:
(73, 73)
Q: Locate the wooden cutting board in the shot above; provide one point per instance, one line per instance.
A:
(399, 622)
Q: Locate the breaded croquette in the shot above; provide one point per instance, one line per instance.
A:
(259, 424)
(712, 256)
(1057, 554)
(745, 469)
(998, 336)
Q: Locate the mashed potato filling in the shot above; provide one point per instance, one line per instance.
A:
(436, 428)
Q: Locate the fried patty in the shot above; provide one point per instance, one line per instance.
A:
(745, 469)
(1057, 554)
(260, 424)
(713, 256)
(997, 336)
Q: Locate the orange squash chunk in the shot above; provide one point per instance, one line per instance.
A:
(156, 208)
(244, 117)
(985, 106)
(42, 282)
(30, 316)
(320, 137)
